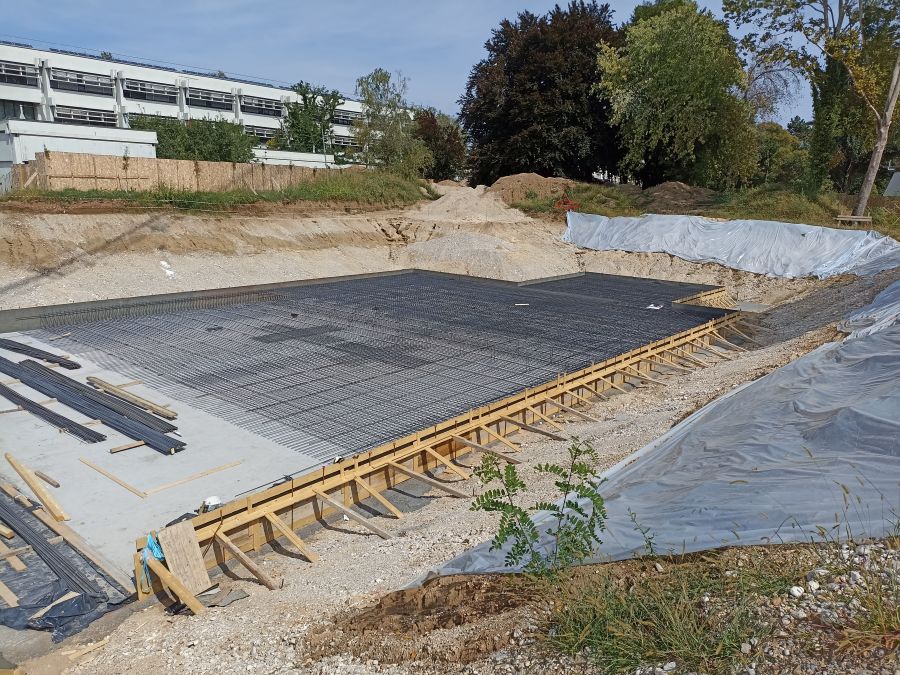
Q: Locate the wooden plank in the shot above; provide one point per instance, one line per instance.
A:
(126, 446)
(14, 561)
(174, 584)
(134, 399)
(710, 350)
(533, 429)
(737, 330)
(447, 463)
(10, 598)
(380, 498)
(292, 537)
(500, 437)
(584, 400)
(73, 539)
(735, 347)
(6, 531)
(687, 357)
(242, 558)
(195, 476)
(114, 478)
(68, 596)
(537, 413)
(353, 515)
(47, 479)
(39, 490)
(571, 410)
(670, 364)
(14, 552)
(428, 481)
(485, 449)
(183, 557)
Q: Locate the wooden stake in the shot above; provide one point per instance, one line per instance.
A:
(47, 479)
(428, 481)
(537, 413)
(572, 411)
(730, 344)
(114, 478)
(139, 401)
(485, 449)
(612, 384)
(380, 498)
(737, 330)
(710, 350)
(39, 490)
(500, 437)
(447, 463)
(532, 429)
(174, 584)
(292, 537)
(689, 358)
(671, 364)
(638, 374)
(353, 515)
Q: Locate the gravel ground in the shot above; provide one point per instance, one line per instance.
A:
(265, 633)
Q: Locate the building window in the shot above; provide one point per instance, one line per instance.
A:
(345, 117)
(16, 110)
(262, 133)
(94, 118)
(344, 141)
(204, 98)
(18, 73)
(87, 83)
(261, 106)
(150, 91)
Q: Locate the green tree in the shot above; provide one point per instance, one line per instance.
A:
(307, 123)
(782, 160)
(528, 104)
(836, 42)
(675, 93)
(200, 140)
(444, 138)
(386, 131)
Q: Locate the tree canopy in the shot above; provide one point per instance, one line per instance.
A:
(386, 132)
(674, 90)
(307, 123)
(444, 138)
(528, 105)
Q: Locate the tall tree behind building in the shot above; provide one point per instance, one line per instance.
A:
(528, 105)
(444, 138)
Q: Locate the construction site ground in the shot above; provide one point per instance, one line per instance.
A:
(49, 258)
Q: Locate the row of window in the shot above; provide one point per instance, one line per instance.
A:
(18, 73)
(16, 110)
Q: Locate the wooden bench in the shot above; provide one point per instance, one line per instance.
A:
(854, 220)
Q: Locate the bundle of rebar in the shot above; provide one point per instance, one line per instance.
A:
(35, 353)
(90, 408)
(57, 420)
(119, 405)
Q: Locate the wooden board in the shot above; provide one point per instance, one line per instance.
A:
(8, 596)
(174, 584)
(134, 399)
(68, 596)
(38, 488)
(6, 531)
(115, 479)
(183, 557)
(14, 561)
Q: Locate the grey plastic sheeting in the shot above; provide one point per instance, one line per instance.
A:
(760, 246)
(814, 444)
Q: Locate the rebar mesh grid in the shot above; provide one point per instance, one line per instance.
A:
(357, 363)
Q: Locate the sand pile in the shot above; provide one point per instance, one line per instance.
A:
(468, 205)
(522, 186)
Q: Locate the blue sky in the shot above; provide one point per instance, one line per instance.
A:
(332, 43)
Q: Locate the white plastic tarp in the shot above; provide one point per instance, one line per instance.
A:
(760, 246)
(814, 444)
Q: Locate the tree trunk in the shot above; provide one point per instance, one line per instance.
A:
(881, 140)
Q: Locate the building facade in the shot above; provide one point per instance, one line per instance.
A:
(81, 95)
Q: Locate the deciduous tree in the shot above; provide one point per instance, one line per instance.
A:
(444, 138)
(528, 104)
(307, 123)
(200, 140)
(675, 89)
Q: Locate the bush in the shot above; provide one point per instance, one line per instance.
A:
(198, 140)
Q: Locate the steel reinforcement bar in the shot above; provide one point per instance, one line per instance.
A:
(262, 517)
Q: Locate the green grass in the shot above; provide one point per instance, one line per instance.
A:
(761, 203)
(646, 618)
(373, 188)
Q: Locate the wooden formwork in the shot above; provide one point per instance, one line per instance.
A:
(249, 523)
(717, 297)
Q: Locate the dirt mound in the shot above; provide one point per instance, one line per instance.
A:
(469, 205)
(676, 197)
(521, 186)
